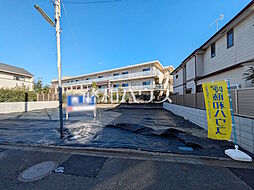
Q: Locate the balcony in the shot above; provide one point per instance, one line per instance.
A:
(115, 78)
(138, 88)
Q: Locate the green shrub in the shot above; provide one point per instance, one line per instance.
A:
(17, 94)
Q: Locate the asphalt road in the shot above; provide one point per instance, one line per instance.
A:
(115, 171)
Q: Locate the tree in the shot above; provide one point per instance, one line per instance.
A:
(94, 86)
(249, 75)
(46, 89)
(38, 86)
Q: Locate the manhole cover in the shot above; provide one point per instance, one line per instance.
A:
(37, 171)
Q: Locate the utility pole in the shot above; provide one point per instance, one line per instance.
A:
(56, 24)
(58, 31)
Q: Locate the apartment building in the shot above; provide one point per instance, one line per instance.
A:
(139, 77)
(226, 55)
(11, 76)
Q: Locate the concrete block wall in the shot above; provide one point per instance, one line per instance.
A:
(244, 126)
(13, 107)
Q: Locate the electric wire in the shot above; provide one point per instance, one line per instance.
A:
(91, 2)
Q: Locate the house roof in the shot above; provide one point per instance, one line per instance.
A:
(14, 70)
(218, 34)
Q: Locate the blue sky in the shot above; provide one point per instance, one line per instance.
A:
(96, 37)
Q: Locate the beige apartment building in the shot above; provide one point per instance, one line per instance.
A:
(226, 55)
(139, 77)
(11, 76)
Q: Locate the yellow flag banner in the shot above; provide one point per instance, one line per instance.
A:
(218, 110)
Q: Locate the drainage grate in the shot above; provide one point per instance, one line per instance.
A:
(37, 171)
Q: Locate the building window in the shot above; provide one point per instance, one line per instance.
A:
(115, 74)
(146, 83)
(100, 77)
(146, 69)
(20, 78)
(199, 88)
(230, 38)
(125, 85)
(213, 50)
(176, 76)
(115, 85)
(125, 72)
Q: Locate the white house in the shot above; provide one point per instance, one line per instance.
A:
(146, 76)
(226, 55)
(11, 76)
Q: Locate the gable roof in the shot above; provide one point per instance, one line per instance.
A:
(218, 33)
(14, 70)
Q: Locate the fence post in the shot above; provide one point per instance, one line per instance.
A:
(195, 100)
(236, 101)
(43, 97)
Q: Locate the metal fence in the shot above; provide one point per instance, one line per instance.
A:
(242, 101)
(47, 97)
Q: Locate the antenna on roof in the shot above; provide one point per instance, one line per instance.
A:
(221, 17)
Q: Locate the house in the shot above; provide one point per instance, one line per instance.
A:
(139, 77)
(226, 55)
(11, 76)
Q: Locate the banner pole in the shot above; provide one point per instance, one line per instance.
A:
(232, 114)
(236, 154)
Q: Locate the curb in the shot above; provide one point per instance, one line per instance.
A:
(96, 150)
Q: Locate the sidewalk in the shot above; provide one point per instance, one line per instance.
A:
(106, 170)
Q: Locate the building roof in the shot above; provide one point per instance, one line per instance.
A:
(14, 70)
(218, 34)
(157, 62)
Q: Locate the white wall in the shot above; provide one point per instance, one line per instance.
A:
(178, 90)
(13, 107)
(235, 76)
(191, 85)
(190, 69)
(179, 80)
(241, 51)
(244, 126)
(7, 81)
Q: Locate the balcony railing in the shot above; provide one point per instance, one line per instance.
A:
(113, 78)
(137, 88)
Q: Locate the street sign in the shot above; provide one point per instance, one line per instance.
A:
(77, 103)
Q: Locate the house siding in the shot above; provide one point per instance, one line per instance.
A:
(190, 69)
(234, 76)
(241, 51)
(179, 80)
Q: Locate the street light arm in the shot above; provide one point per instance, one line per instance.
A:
(45, 16)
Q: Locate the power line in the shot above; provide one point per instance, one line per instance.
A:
(91, 2)
(70, 27)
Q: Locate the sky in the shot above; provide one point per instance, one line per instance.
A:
(100, 36)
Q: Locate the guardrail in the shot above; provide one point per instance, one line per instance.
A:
(112, 78)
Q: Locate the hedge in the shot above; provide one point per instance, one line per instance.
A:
(17, 95)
